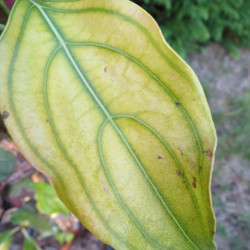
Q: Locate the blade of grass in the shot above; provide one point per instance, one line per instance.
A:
(4, 9)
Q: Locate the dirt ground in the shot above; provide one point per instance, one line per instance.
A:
(226, 82)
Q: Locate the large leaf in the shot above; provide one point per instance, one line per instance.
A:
(98, 101)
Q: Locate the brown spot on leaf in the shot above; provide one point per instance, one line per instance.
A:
(200, 168)
(208, 153)
(159, 157)
(5, 115)
(194, 182)
(193, 100)
(181, 152)
(105, 70)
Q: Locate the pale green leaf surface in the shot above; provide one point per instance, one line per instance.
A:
(99, 102)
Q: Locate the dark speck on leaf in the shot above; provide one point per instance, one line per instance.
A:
(200, 168)
(194, 182)
(5, 115)
(159, 158)
(178, 172)
(105, 69)
(193, 100)
(177, 104)
(180, 151)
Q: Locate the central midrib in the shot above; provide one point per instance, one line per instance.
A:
(107, 113)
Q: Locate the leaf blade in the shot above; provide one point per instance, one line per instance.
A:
(101, 105)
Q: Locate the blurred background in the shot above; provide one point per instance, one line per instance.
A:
(213, 36)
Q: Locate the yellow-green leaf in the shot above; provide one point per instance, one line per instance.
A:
(99, 102)
(6, 238)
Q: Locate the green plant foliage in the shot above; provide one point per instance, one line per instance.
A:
(17, 188)
(122, 127)
(7, 163)
(3, 8)
(234, 139)
(30, 243)
(190, 24)
(6, 239)
(64, 237)
(26, 218)
(47, 199)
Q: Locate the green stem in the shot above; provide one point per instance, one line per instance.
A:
(235, 112)
(25, 233)
(4, 9)
(13, 231)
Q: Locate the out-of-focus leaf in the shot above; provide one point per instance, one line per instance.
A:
(24, 184)
(7, 163)
(47, 199)
(30, 244)
(69, 237)
(20, 194)
(64, 237)
(30, 219)
(4, 9)
(9, 3)
(6, 239)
